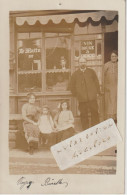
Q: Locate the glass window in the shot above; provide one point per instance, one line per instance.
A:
(23, 35)
(89, 47)
(29, 65)
(58, 62)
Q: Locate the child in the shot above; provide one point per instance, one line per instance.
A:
(64, 122)
(46, 125)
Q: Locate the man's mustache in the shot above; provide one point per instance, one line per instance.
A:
(83, 66)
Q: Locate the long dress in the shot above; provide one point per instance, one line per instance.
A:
(110, 85)
(31, 130)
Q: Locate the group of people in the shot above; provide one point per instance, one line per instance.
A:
(41, 127)
(84, 85)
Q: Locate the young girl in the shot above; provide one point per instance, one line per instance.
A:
(46, 126)
(64, 122)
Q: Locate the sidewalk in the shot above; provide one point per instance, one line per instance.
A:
(43, 162)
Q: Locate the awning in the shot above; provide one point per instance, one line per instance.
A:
(69, 18)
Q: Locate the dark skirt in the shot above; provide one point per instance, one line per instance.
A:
(65, 134)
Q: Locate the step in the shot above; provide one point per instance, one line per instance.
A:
(43, 162)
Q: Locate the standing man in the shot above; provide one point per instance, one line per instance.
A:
(85, 87)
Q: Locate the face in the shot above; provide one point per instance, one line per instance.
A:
(82, 63)
(64, 106)
(45, 111)
(114, 57)
(32, 99)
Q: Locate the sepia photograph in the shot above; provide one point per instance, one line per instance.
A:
(62, 100)
(63, 78)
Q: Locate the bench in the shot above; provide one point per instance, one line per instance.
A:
(15, 126)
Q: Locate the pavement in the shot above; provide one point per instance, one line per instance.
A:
(43, 162)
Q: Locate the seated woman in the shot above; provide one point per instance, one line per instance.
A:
(64, 122)
(30, 124)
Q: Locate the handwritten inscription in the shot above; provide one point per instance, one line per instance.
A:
(50, 181)
(85, 144)
(22, 182)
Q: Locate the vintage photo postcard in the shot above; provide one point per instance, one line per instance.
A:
(62, 97)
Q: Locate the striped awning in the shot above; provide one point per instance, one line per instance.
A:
(69, 18)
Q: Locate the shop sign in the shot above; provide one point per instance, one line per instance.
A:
(88, 47)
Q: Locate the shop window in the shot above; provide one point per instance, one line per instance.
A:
(29, 62)
(57, 47)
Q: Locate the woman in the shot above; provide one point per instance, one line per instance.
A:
(64, 122)
(110, 84)
(29, 113)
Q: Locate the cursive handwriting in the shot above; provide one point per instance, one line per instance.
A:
(50, 181)
(22, 182)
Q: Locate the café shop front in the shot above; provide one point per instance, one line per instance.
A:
(44, 51)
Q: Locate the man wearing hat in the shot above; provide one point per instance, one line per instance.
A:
(84, 85)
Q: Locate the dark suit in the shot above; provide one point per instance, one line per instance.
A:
(85, 87)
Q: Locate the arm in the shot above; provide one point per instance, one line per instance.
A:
(24, 115)
(56, 119)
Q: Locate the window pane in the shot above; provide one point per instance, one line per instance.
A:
(51, 34)
(29, 82)
(23, 35)
(58, 62)
(36, 35)
(29, 65)
(29, 54)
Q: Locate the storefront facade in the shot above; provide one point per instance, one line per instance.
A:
(44, 51)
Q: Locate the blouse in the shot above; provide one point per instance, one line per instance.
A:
(64, 120)
(30, 110)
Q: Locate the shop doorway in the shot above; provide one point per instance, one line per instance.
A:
(110, 43)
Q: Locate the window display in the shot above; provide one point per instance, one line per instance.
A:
(58, 65)
(29, 65)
